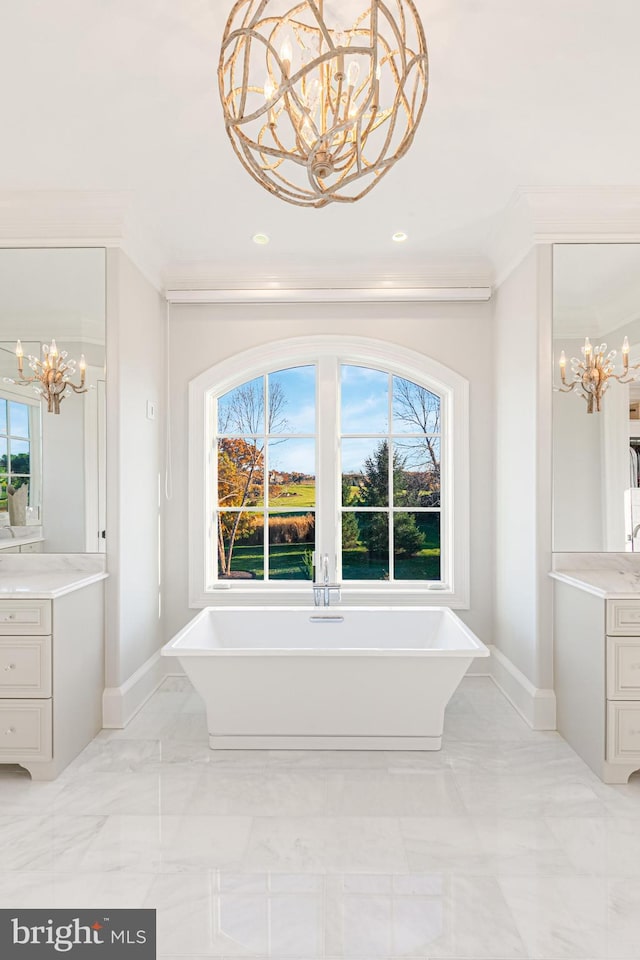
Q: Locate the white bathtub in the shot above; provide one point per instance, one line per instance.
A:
(325, 678)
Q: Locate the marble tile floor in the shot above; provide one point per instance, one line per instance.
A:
(503, 845)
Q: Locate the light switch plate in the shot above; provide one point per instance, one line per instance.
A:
(152, 409)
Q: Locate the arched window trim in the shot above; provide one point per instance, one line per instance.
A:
(401, 361)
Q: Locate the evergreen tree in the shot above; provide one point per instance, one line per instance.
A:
(373, 491)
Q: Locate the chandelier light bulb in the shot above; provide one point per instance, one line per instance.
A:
(295, 130)
(286, 55)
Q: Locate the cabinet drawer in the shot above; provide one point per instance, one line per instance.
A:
(623, 731)
(23, 618)
(25, 667)
(623, 668)
(25, 730)
(31, 548)
(623, 618)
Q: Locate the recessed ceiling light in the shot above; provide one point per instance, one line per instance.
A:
(261, 239)
(399, 237)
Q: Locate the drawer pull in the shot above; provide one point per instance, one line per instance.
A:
(10, 666)
(9, 731)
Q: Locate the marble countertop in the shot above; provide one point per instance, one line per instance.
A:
(48, 576)
(608, 584)
(610, 576)
(7, 542)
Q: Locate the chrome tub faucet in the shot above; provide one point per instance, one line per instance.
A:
(322, 590)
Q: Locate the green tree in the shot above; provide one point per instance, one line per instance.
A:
(373, 491)
(407, 538)
(350, 532)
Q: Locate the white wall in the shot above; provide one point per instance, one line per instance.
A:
(135, 372)
(523, 468)
(458, 335)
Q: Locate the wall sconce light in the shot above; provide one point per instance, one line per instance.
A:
(590, 375)
(53, 374)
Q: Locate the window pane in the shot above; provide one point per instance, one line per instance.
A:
(416, 473)
(416, 546)
(365, 546)
(18, 419)
(292, 540)
(292, 400)
(365, 473)
(3, 416)
(241, 411)
(19, 450)
(240, 546)
(292, 480)
(3, 494)
(4, 462)
(240, 472)
(415, 410)
(364, 400)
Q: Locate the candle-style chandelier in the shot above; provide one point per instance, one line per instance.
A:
(52, 374)
(316, 111)
(591, 375)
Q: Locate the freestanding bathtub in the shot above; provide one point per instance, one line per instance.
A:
(331, 678)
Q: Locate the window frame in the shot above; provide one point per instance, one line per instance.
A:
(35, 448)
(328, 353)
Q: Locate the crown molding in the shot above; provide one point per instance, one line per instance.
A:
(558, 214)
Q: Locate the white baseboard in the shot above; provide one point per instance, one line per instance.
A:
(536, 706)
(120, 704)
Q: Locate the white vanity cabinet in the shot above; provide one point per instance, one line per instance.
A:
(597, 678)
(623, 682)
(51, 678)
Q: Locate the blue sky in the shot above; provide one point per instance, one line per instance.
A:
(364, 410)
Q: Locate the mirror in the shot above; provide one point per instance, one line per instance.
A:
(596, 456)
(52, 294)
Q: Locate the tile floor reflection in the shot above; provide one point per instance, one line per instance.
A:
(501, 846)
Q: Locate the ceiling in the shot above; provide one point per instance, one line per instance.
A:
(121, 95)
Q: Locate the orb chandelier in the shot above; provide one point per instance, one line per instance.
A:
(320, 111)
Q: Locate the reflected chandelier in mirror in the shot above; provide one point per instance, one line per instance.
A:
(53, 373)
(591, 375)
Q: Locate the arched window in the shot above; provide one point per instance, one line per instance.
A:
(341, 448)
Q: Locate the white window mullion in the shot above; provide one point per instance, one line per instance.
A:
(212, 506)
(328, 471)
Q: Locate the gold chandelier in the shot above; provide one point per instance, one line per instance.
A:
(591, 375)
(53, 374)
(319, 113)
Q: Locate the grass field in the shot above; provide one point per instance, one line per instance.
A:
(286, 562)
(295, 496)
